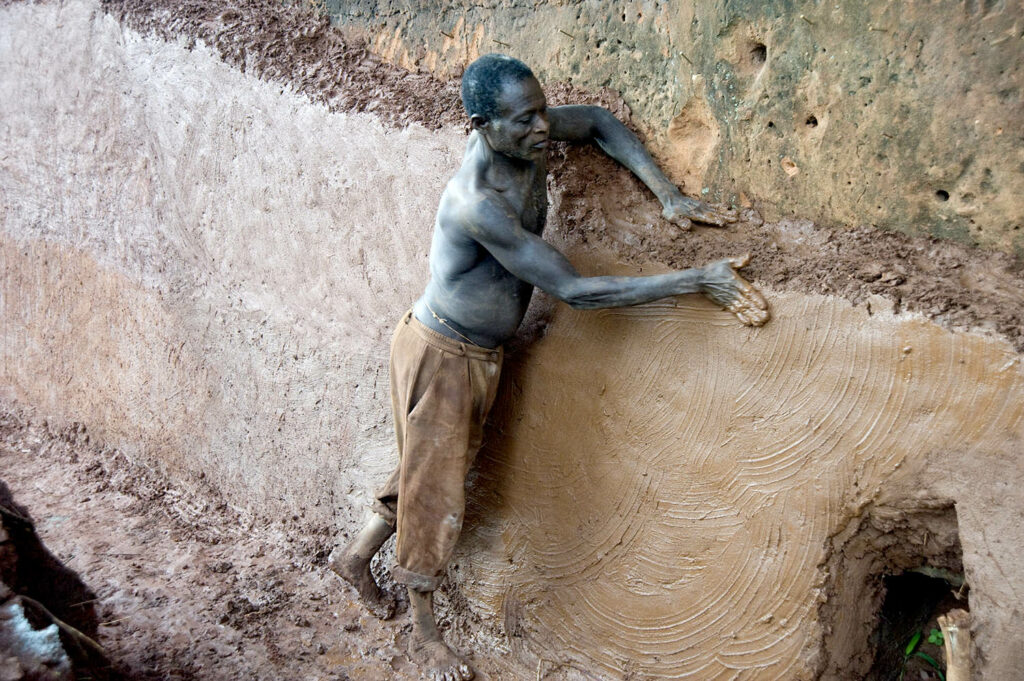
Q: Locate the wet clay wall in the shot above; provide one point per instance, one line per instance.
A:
(902, 115)
(203, 267)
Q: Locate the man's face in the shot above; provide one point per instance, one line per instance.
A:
(520, 129)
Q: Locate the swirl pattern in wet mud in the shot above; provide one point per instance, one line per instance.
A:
(663, 481)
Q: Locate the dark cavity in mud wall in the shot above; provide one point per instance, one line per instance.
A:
(888, 578)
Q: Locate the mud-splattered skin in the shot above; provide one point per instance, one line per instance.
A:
(487, 253)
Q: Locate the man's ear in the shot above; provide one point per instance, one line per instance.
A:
(478, 122)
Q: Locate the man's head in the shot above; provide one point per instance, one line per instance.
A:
(505, 103)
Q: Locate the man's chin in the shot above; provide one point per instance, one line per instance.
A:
(530, 154)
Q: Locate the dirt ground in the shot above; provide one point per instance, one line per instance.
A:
(187, 588)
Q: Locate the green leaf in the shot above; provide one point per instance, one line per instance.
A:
(931, 660)
(915, 639)
(935, 637)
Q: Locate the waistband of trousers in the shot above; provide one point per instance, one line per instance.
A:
(450, 345)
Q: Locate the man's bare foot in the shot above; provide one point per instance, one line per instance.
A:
(726, 287)
(355, 570)
(437, 661)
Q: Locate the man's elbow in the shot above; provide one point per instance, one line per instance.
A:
(603, 122)
(574, 295)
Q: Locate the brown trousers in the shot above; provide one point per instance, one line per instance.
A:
(441, 392)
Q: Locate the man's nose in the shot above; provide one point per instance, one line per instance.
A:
(541, 124)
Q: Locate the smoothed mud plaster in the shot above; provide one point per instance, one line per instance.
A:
(666, 482)
(200, 266)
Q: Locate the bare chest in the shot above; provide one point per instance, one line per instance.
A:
(533, 203)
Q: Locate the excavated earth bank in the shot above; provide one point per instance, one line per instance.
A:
(199, 265)
(955, 285)
(904, 115)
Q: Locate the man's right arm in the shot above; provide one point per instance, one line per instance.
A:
(497, 228)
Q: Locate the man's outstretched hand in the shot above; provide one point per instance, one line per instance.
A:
(723, 285)
(683, 211)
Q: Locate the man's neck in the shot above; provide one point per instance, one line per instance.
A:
(501, 169)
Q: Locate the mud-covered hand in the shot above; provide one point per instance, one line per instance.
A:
(682, 211)
(723, 285)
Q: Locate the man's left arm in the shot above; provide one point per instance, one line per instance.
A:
(597, 125)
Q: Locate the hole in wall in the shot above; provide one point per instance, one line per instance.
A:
(742, 46)
(912, 603)
(812, 121)
(895, 571)
(942, 195)
(771, 124)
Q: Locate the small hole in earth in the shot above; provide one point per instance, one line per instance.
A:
(759, 53)
(812, 121)
(912, 602)
(771, 124)
(942, 195)
(887, 586)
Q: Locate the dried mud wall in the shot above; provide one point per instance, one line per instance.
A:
(187, 249)
(203, 269)
(902, 115)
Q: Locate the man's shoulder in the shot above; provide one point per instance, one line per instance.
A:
(470, 204)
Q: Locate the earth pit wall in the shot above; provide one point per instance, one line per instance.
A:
(905, 115)
(203, 268)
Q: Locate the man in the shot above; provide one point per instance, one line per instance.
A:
(485, 260)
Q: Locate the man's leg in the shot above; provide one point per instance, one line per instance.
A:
(427, 648)
(441, 393)
(352, 563)
(441, 439)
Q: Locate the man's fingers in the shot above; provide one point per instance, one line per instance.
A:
(736, 294)
(718, 215)
(753, 299)
(762, 318)
(683, 223)
(750, 295)
(749, 306)
(760, 301)
(749, 315)
(729, 215)
(740, 261)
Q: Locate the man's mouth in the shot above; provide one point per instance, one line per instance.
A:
(543, 144)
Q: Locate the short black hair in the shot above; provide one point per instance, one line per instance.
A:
(483, 79)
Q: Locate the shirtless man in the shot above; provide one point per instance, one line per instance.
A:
(486, 258)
